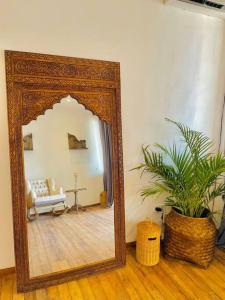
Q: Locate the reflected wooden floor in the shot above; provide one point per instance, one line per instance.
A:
(70, 240)
(169, 280)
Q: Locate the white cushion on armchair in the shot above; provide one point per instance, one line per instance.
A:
(49, 200)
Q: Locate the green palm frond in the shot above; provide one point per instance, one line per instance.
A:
(198, 143)
(188, 177)
(157, 188)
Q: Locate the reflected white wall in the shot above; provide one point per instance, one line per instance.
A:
(52, 157)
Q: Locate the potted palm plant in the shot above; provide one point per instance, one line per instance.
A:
(189, 175)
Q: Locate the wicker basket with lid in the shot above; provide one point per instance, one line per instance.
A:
(148, 243)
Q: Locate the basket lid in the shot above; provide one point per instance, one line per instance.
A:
(148, 225)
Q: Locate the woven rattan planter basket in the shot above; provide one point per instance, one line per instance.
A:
(190, 239)
(148, 243)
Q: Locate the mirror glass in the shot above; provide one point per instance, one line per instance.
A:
(69, 195)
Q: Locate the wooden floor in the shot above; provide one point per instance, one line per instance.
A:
(70, 240)
(170, 279)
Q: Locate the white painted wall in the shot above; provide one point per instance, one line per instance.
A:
(52, 157)
(172, 64)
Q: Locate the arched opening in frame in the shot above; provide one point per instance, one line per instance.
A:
(68, 189)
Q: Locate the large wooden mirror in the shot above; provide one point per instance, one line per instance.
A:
(66, 167)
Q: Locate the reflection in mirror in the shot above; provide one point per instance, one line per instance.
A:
(68, 179)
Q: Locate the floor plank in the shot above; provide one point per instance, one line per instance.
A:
(171, 279)
(50, 240)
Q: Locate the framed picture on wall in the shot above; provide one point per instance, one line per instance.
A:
(74, 143)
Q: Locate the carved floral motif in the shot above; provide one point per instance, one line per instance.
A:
(57, 69)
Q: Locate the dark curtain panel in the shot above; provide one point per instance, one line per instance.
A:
(221, 234)
(106, 138)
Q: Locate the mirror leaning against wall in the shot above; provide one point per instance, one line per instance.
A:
(68, 180)
(66, 167)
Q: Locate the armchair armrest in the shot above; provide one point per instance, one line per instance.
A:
(33, 195)
(30, 198)
(61, 190)
(57, 191)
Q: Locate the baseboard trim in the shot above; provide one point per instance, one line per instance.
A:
(91, 205)
(7, 271)
(84, 206)
(131, 244)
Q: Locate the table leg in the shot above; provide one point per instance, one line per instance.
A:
(76, 205)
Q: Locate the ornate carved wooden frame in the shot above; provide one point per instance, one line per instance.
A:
(35, 82)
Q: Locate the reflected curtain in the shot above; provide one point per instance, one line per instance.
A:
(106, 139)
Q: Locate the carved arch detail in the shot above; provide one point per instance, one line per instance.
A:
(35, 103)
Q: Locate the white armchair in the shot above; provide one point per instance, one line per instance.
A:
(43, 193)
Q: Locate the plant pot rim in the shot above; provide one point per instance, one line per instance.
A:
(184, 216)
